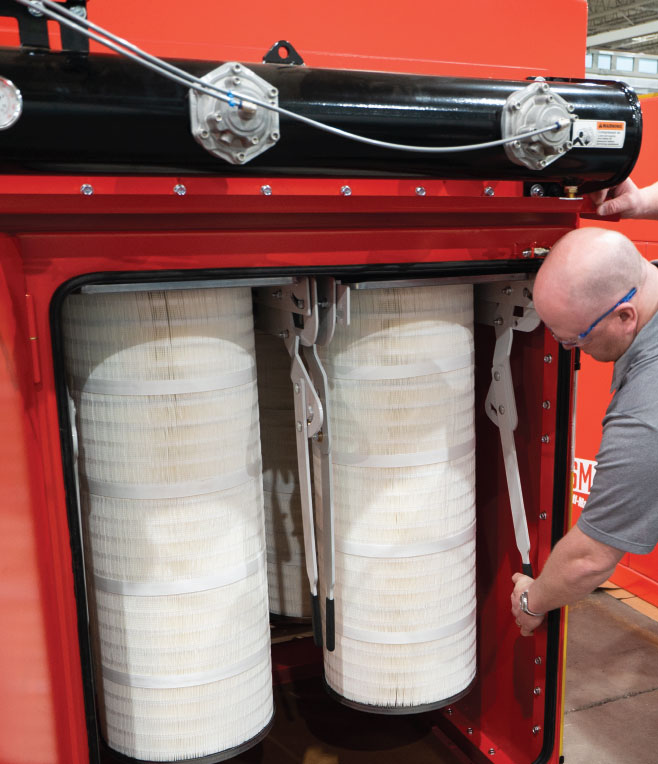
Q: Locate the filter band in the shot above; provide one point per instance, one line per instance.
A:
(186, 680)
(164, 386)
(408, 637)
(393, 551)
(189, 586)
(404, 460)
(402, 371)
(169, 490)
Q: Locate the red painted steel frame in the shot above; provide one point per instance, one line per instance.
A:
(636, 573)
(37, 263)
(53, 234)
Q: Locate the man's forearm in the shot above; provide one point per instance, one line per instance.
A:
(575, 567)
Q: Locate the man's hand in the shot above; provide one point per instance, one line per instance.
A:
(626, 200)
(527, 623)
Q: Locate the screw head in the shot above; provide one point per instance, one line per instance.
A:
(297, 388)
(498, 321)
(274, 135)
(507, 290)
(501, 409)
(537, 190)
(489, 191)
(545, 438)
(86, 189)
(241, 156)
(300, 426)
(543, 516)
(420, 191)
(449, 711)
(179, 189)
(492, 751)
(546, 405)
(266, 190)
(470, 730)
(537, 691)
(548, 358)
(346, 191)
(497, 376)
(34, 11)
(536, 730)
(538, 661)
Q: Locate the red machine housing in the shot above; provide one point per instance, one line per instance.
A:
(53, 237)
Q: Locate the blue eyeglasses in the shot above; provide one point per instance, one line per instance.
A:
(572, 343)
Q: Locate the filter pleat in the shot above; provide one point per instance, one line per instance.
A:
(171, 501)
(403, 460)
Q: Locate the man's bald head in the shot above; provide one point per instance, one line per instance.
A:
(587, 271)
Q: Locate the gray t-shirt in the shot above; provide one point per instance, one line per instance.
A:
(622, 508)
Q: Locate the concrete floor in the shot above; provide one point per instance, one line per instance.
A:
(611, 702)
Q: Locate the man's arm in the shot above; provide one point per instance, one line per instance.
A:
(628, 201)
(575, 567)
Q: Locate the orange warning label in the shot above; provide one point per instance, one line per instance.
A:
(610, 125)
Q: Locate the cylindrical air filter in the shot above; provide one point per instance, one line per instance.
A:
(403, 460)
(286, 572)
(164, 386)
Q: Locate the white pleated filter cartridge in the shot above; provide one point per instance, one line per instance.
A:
(286, 572)
(164, 386)
(401, 380)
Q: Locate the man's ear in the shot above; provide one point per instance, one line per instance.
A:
(628, 314)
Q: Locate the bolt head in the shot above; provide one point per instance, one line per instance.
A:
(538, 661)
(86, 189)
(545, 439)
(492, 751)
(266, 190)
(420, 191)
(536, 730)
(537, 190)
(180, 190)
(346, 191)
(548, 358)
(297, 388)
(537, 691)
(489, 191)
(546, 405)
(470, 730)
(501, 409)
(497, 376)
(543, 516)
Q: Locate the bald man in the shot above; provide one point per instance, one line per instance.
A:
(595, 291)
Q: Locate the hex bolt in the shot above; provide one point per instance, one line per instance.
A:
(346, 191)
(420, 191)
(489, 191)
(179, 189)
(548, 358)
(537, 190)
(546, 405)
(545, 438)
(543, 515)
(86, 189)
(537, 691)
(34, 11)
(536, 729)
(79, 10)
(266, 190)
(538, 661)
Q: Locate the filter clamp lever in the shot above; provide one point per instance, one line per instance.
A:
(508, 307)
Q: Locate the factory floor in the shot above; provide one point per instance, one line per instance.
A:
(611, 698)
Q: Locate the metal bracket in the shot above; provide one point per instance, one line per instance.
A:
(283, 52)
(508, 308)
(33, 25)
(295, 314)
